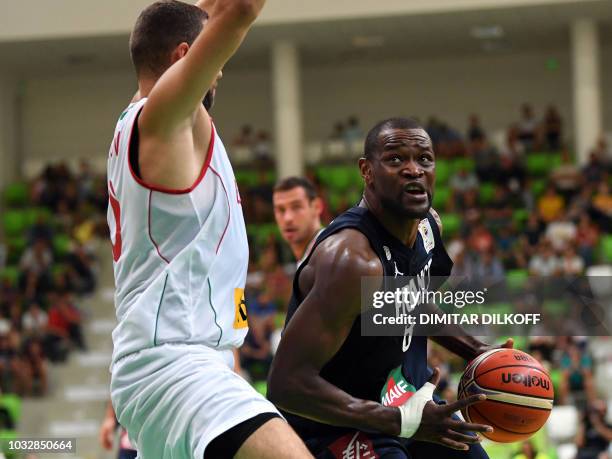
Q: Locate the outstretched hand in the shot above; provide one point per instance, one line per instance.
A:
(509, 344)
(438, 426)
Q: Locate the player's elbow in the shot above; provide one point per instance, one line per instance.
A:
(284, 391)
(242, 11)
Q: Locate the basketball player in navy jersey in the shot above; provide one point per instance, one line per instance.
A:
(326, 376)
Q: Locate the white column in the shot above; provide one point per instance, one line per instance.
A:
(9, 159)
(586, 86)
(287, 109)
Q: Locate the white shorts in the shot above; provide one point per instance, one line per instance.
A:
(174, 399)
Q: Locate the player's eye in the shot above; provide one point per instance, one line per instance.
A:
(426, 159)
(394, 159)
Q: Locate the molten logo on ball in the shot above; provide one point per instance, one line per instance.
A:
(526, 380)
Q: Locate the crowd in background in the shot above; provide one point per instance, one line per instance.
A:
(51, 265)
(40, 318)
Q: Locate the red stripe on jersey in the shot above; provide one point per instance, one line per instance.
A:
(112, 198)
(229, 208)
(162, 189)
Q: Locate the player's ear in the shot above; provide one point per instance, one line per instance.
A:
(318, 205)
(179, 52)
(365, 167)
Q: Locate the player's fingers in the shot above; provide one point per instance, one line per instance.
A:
(454, 444)
(461, 426)
(463, 438)
(465, 402)
(435, 377)
(509, 344)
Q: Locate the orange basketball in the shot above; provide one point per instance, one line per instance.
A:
(519, 394)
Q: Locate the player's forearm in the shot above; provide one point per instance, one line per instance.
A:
(314, 398)
(464, 346)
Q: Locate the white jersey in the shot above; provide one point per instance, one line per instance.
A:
(180, 256)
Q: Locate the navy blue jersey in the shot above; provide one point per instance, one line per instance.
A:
(362, 364)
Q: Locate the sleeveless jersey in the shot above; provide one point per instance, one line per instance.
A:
(363, 363)
(180, 256)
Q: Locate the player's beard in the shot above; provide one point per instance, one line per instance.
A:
(395, 207)
(209, 100)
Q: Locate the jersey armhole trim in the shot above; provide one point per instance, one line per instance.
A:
(162, 189)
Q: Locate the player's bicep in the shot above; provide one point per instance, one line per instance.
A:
(180, 90)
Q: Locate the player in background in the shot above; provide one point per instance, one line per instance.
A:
(327, 376)
(297, 210)
(180, 249)
(107, 435)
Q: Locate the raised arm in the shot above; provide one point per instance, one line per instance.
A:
(180, 90)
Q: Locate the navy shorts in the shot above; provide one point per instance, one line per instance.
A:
(363, 445)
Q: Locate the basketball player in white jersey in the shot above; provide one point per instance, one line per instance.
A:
(297, 210)
(180, 249)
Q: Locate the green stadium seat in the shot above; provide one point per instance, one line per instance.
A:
(444, 170)
(16, 195)
(12, 404)
(15, 223)
(451, 223)
(261, 387)
(556, 308)
(10, 273)
(61, 245)
(499, 308)
(467, 164)
(516, 279)
(606, 248)
(540, 164)
(486, 192)
(441, 198)
(539, 186)
(16, 247)
(520, 217)
(32, 214)
(246, 177)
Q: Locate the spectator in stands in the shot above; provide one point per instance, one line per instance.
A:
(481, 240)
(460, 183)
(80, 270)
(571, 263)
(450, 142)
(577, 375)
(594, 432)
(64, 321)
(499, 210)
(262, 148)
(603, 152)
(475, 131)
(544, 263)
(35, 265)
(587, 238)
(594, 170)
(567, 177)
(245, 138)
(550, 205)
(35, 321)
(580, 203)
(41, 229)
(602, 205)
(561, 232)
(488, 271)
(35, 367)
(486, 158)
(552, 127)
(527, 127)
(13, 376)
(338, 131)
(353, 131)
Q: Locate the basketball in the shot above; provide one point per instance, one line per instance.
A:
(519, 394)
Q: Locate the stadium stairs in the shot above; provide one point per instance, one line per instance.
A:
(79, 388)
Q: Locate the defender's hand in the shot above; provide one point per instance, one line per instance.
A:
(107, 431)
